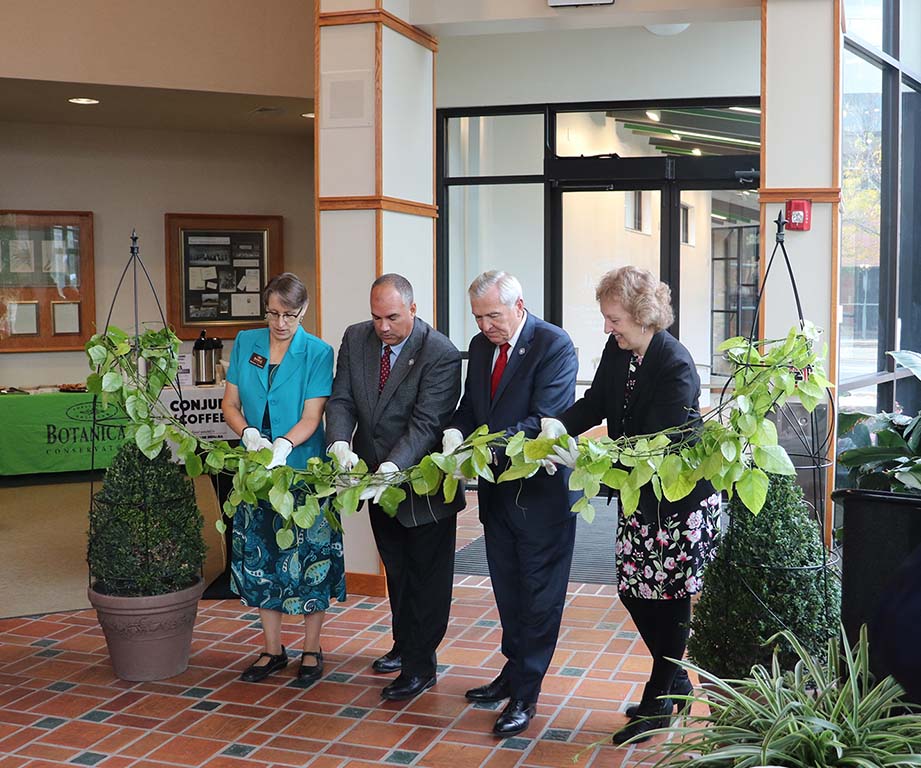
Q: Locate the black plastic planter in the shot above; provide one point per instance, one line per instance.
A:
(881, 530)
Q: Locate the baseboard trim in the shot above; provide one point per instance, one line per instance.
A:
(370, 584)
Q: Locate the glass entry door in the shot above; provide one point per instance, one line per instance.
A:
(703, 242)
(603, 229)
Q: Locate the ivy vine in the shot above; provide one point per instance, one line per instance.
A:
(734, 445)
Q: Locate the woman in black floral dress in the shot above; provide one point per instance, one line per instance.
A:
(646, 382)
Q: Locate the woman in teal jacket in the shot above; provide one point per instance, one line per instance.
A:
(277, 385)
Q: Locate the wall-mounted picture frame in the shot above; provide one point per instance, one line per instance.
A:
(65, 317)
(216, 268)
(23, 318)
(46, 260)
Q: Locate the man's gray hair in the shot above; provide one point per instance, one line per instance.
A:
(509, 287)
(399, 283)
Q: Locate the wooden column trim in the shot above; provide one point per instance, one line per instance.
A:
(762, 262)
(766, 195)
(377, 202)
(378, 110)
(370, 584)
(379, 16)
(317, 106)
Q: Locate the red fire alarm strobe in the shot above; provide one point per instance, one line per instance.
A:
(799, 215)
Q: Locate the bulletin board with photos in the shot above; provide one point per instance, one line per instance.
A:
(47, 286)
(217, 267)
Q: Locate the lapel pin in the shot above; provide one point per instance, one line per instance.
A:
(521, 351)
(412, 361)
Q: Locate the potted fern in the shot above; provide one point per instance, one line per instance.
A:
(770, 573)
(145, 557)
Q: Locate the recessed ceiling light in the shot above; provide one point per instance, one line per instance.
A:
(718, 217)
(308, 114)
(749, 110)
(696, 151)
(653, 115)
(83, 101)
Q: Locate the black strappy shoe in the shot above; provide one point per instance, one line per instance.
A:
(256, 671)
(308, 675)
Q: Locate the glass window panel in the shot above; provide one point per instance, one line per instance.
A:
(649, 132)
(499, 145)
(908, 396)
(864, 18)
(861, 150)
(496, 226)
(595, 241)
(732, 220)
(910, 46)
(910, 225)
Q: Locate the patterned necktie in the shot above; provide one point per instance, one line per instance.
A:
(498, 369)
(385, 368)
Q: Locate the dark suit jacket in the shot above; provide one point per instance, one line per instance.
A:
(666, 395)
(539, 380)
(404, 422)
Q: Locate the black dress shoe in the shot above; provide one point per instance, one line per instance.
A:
(391, 661)
(681, 686)
(313, 673)
(256, 672)
(514, 718)
(649, 716)
(497, 690)
(407, 686)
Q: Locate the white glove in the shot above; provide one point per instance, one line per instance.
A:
(548, 466)
(379, 483)
(253, 440)
(280, 450)
(451, 440)
(551, 428)
(566, 456)
(345, 457)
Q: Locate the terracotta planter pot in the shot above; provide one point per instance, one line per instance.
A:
(149, 638)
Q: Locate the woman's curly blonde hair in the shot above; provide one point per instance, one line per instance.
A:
(641, 293)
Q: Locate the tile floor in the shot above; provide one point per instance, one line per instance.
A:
(61, 705)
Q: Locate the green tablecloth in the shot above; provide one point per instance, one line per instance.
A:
(53, 432)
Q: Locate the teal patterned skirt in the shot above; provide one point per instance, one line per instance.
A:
(299, 580)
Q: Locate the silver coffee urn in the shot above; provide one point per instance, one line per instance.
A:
(205, 356)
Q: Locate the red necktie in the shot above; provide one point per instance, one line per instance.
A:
(385, 368)
(498, 369)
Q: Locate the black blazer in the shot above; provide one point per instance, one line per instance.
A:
(539, 380)
(666, 395)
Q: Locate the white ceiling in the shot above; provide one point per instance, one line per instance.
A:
(37, 101)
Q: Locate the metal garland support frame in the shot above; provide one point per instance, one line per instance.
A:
(810, 456)
(134, 263)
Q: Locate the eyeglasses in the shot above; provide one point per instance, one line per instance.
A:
(288, 317)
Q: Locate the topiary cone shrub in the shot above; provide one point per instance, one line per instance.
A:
(145, 534)
(768, 575)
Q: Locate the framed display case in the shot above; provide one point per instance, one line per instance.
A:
(216, 268)
(47, 286)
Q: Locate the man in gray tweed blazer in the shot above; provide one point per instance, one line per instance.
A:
(396, 387)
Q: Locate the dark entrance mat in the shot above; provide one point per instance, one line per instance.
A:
(592, 560)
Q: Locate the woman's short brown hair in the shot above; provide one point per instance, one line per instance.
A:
(641, 293)
(290, 291)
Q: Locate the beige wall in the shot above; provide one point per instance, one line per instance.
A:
(232, 46)
(130, 178)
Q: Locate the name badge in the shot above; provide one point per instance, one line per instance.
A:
(258, 360)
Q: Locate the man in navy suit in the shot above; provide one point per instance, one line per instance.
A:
(520, 369)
